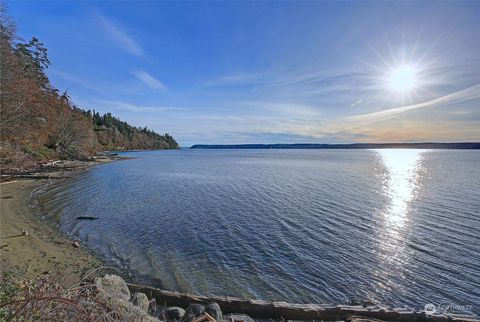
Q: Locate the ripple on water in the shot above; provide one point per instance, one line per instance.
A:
(399, 227)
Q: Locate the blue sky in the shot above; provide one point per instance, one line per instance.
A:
(268, 72)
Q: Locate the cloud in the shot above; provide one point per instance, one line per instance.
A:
(236, 80)
(149, 80)
(78, 81)
(466, 94)
(123, 40)
(358, 102)
(130, 107)
(282, 122)
(324, 78)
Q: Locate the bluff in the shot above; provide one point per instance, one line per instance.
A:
(38, 122)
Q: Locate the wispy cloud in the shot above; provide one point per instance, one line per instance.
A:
(294, 80)
(149, 80)
(236, 80)
(356, 103)
(280, 110)
(123, 40)
(466, 94)
(78, 81)
(130, 107)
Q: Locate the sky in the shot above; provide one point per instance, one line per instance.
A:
(269, 72)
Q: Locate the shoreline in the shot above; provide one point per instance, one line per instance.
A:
(30, 245)
(45, 249)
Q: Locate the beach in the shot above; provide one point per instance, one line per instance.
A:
(43, 248)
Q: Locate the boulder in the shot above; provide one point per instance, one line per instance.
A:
(214, 310)
(114, 294)
(237, 318)
(174, 313)
(140, 300)
(195, 309)
(188, 317)
(113, 286)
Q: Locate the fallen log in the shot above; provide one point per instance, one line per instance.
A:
(7, 182)
(289, 311)
(87, 218)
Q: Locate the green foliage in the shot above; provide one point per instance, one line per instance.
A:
(35, 60)
(130, 133)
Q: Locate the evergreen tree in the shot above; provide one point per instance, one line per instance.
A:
(35, 60)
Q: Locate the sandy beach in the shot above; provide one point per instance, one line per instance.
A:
(44, 248)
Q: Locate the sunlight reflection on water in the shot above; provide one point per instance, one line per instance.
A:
(401, 182)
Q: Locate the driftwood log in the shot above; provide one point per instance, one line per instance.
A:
(290, 311)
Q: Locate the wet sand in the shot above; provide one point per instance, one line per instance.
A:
(44, 249)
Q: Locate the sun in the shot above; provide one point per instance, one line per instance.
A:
(402, 78)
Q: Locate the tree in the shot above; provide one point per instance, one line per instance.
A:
(7, 25)
(18, 93)
(35, 60)
(39, 121)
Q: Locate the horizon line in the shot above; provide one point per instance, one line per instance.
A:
(464, 144)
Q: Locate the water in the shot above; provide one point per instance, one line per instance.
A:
(397, 227)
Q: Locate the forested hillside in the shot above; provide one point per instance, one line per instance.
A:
(38, 122)
(114, 134)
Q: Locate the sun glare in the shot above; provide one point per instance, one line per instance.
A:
(402, 79)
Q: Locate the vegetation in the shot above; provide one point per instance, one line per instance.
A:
(59, 298)
(117, 135)
(38, 122)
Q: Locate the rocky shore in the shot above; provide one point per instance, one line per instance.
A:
(53, 169)
(114, 289)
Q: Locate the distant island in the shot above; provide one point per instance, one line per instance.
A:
(423, 145)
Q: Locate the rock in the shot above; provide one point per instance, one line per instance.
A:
(188, 318)
(174, 313)
(195, 309)
(113, 286)
(146, 318)
(114, 294)
(237, 318)
(140, 300)
(214, 310)
(75, 244)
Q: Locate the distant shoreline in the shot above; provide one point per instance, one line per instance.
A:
(422, 145)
